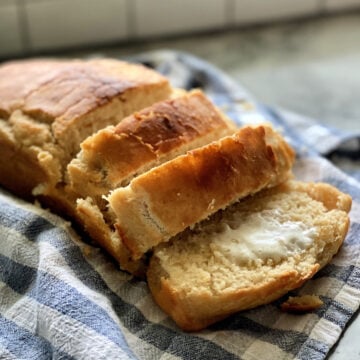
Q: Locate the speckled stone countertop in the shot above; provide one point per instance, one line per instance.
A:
(311, 67)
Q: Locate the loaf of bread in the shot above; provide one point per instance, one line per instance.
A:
(171, 197)
(250, 254)
(159, 174)
(113, 156)
(48, 107)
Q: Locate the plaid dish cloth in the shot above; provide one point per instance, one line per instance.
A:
(63, 298)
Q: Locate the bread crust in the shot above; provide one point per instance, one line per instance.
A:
(186, 190)
(195, 305)
(60, 91)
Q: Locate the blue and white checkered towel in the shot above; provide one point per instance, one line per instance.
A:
(62, 298)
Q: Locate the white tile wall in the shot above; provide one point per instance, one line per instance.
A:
(256, 11)
(65, 23)
(164, 17)
(332, 5)
(57, 24)
(10, 35)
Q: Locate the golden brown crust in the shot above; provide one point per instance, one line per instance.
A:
(165, 124)
(19, 78)
(181, 192)
(61, 91)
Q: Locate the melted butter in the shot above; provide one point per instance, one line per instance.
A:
(261, 237)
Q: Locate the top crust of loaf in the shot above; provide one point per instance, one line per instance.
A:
(60, 91)
(181, 192)
(198, 280)
(112, 156)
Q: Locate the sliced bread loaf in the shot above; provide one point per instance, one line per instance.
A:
(249, 254)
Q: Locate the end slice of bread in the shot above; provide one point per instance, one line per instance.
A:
(179, 193)
(249, 254)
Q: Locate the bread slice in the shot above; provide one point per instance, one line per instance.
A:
(48, 107)
(171, 197)
(249, 254)
(113, 156)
